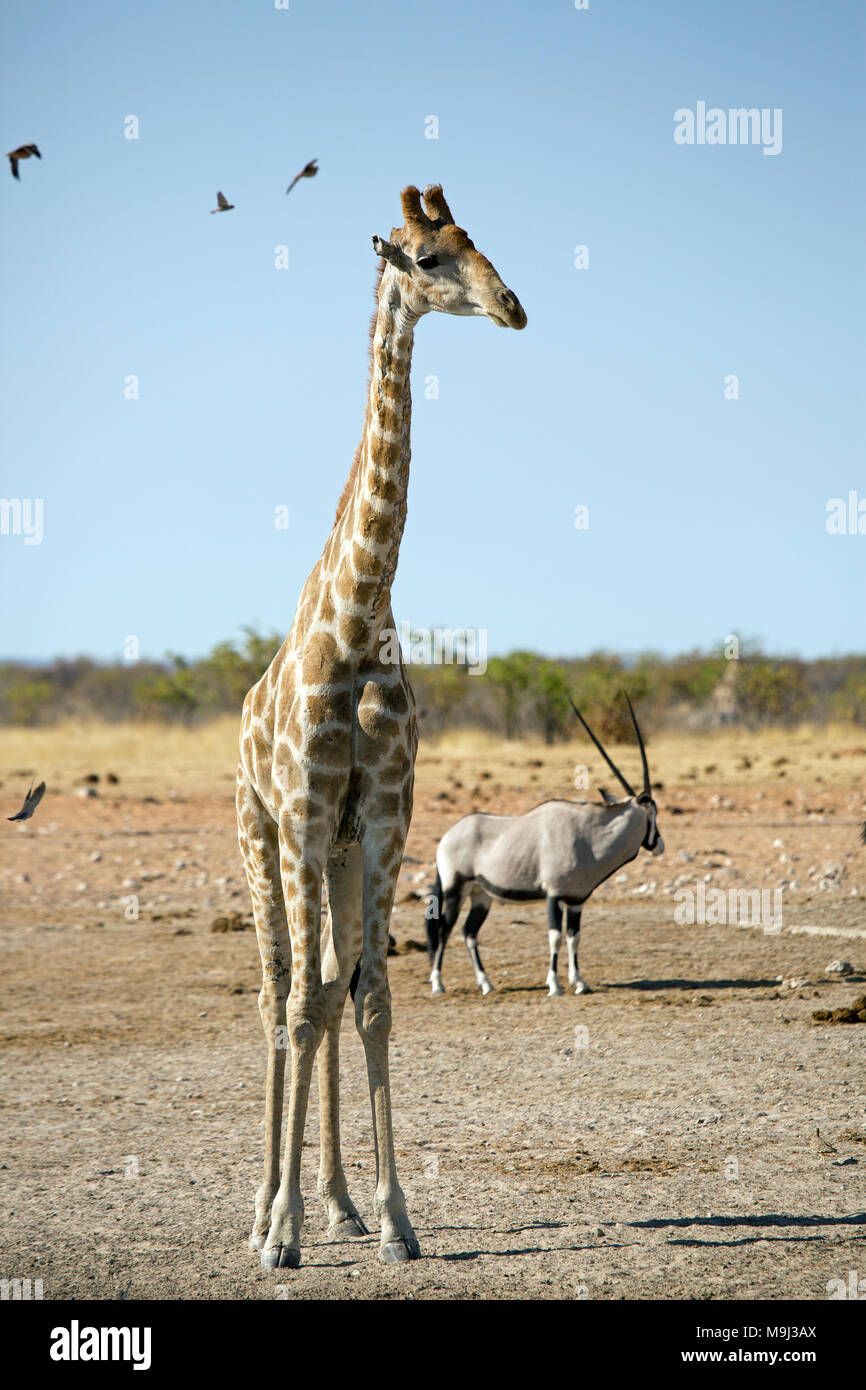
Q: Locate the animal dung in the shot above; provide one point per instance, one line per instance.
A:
(233, 923)
(854, 1013)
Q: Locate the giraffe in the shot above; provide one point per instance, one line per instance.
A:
(327, 749)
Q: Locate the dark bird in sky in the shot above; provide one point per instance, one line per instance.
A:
(309, 171)
(31, 801)
(22, 152)
(223, 205)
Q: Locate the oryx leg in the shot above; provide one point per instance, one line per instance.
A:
(471, 927)
(451, 901)
(554, 936)
(572, 931)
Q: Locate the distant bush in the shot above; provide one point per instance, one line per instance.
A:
(519, 695)
(849, 703)
(772, 692)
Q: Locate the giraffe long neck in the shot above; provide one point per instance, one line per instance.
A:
(368, 533)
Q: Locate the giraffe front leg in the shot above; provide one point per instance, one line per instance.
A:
(305, 1024)
(554, 936)
(342, 948)
(573, 937)
(398, 1242)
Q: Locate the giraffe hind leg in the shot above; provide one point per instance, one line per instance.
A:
(304, 855)
(257, 836)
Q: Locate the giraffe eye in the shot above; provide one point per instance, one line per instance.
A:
(428, 262)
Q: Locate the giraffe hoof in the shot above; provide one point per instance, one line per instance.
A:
(256, 1242)
(398, 1252)
(350, 1226)
(281, 1257)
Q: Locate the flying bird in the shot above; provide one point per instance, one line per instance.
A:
(309, 171)
(223, 205)
(22, 152)
(31, 801)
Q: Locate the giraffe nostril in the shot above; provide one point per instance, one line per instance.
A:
(507, 298)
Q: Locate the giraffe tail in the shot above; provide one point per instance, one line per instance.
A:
(432, 916)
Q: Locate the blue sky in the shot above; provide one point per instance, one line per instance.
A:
(555, 129)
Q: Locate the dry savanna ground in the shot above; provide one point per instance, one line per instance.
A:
(654, 1139)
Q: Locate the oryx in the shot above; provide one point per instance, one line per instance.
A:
(560, 851)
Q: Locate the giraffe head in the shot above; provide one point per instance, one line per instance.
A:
(438, 266)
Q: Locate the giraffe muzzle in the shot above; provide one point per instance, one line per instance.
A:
(508, 311)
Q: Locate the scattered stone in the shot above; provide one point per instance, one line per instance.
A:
(85, 792)
(840, 967)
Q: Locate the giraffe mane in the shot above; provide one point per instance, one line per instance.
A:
(349, 484)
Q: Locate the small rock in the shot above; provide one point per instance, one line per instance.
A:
(840, 967)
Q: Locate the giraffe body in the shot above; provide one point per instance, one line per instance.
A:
(327, 750)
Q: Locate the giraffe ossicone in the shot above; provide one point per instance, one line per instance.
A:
(327, 750)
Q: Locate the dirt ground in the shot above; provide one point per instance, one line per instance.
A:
(654, 1139)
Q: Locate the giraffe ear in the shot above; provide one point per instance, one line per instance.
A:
(391, 253)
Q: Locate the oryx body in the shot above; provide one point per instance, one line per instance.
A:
(559, 851)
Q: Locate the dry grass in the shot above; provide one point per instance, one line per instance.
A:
(811, 754)
(150, 756)
(146, 756)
